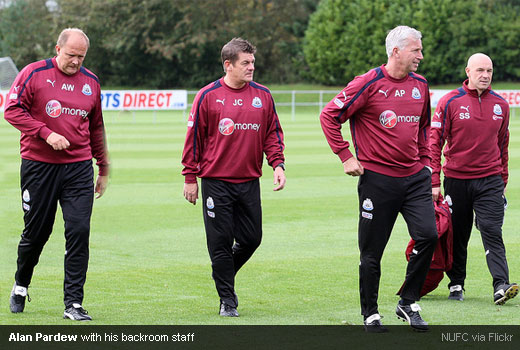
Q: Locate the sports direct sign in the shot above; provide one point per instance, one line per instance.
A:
(511, 96)
(119, 100)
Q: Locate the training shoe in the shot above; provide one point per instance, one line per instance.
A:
(77, 313)
(456, 293)
(505, 292)
(17, 299)
(410, 314)
(373, 324)
(228, 310)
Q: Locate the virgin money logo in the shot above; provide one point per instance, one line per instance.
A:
(53, 108)
(226, 126)
(388, 119)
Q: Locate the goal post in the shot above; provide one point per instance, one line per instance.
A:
(8, 73)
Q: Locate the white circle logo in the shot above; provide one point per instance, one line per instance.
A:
(53, 108)
(226, 126)
(388, 119)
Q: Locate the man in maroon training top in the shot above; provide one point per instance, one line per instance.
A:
(232, 124)
(389, 112)
(474, 121)
(56, 105)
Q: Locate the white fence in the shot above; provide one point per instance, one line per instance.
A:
(319, 98)
(296, 98)
(178, 99)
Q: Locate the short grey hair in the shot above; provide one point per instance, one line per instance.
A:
(65, 33)
(398, 37)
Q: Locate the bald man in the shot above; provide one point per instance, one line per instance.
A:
(474, 120)
(56, 105)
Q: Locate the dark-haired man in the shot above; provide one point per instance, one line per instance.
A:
(232, 124)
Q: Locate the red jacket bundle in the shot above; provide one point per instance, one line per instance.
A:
(443, 255)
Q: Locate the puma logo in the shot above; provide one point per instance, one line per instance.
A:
(51, 82)
(384, 92)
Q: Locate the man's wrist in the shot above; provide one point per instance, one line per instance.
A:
(190, 179)
(281, 165)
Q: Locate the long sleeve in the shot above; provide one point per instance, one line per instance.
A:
(274, 143)
(337, 112)
(193, 143)
(98, 138)
(439, 129)
(19, 104)
(503, 144)
(424, 133)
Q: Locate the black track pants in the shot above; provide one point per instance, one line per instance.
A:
(381, 199)
(484, 197)
(43, 186)
(233, 221)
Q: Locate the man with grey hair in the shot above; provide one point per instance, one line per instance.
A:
(398, 37)
(389, 112)
(474, 120)
(56, 105)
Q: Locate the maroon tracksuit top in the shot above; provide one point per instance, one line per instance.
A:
(389, 122)
(43, 99)
(229, 130)
(477, 135)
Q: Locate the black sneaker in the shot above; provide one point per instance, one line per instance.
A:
(456, 293)
(17, 299)
(410, 314)
(373, 324)
(228, 310)
(77, 313)
(505, 292)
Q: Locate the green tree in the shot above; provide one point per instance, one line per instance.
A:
(162, 43)
(346, 38)
(454, 30)
(26, 31)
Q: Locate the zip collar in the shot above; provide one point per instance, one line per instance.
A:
(474, 92)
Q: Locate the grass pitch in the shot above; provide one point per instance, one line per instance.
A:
(149, 262)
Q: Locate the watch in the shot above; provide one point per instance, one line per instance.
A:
(281, 165)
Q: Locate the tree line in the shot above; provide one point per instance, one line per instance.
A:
(176, 43)
(452, 30)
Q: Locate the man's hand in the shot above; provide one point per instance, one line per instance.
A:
(279, 178)
(435, 193)
(353, 167)
(57, 142)
(191, 192)
(101, 185)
